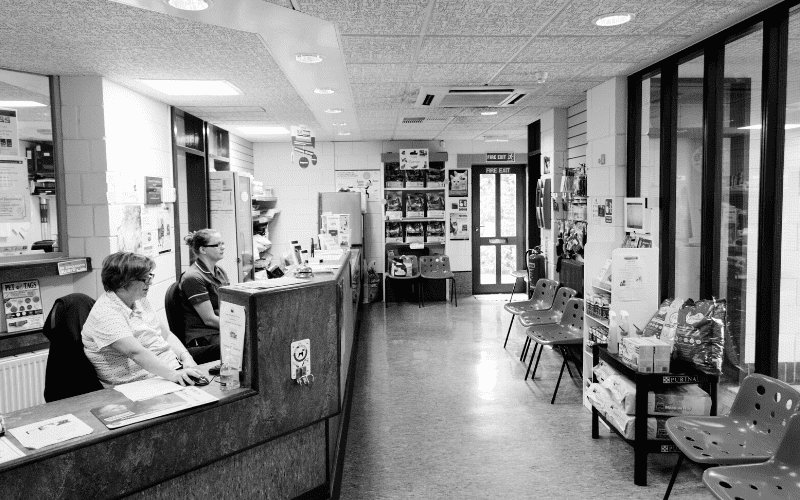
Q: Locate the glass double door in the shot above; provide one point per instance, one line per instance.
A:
(498, 223)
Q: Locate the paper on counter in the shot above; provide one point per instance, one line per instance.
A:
(51, 431)
(8, 451)
(196, 396)
(148, 388)
(273, 283)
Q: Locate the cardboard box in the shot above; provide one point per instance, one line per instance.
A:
(645, 354)
(679, 400)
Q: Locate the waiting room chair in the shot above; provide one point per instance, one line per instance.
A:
(437, 267)
(567, 332)
(413, 277)
(542, 298)
(777, 478)
(69, 372)
(749, 434)
(546, 317)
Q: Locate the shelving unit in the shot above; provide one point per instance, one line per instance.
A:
(640, 305)
(396, 222)
(645, 382)
(264, 212)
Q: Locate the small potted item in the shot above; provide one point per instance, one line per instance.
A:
(304, 271)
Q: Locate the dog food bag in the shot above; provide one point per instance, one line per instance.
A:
(700, 334)
(664, 322)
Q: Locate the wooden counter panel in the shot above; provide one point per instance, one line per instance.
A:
(283, 468)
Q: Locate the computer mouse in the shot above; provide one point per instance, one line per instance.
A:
(214, 370)
(199, 381)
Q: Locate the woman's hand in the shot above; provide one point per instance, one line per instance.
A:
(183, 377)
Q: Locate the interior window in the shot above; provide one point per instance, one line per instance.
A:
(28, 212)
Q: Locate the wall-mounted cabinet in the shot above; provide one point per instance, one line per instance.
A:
(218, 149)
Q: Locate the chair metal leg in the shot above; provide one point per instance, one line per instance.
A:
(674, 475)
(525, 348)
(560, 374)
(533, 375)
(513, 289)
(531, 362)
(509, 330)
(420, 286)
(453, 291)
(564, 353)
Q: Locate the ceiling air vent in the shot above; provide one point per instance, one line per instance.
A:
(469, 97)
(418, 119)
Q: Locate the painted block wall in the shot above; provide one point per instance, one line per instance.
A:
(554, 146)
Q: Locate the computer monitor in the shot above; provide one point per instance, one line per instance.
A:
(637, 215)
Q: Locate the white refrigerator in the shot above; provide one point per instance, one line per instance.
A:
(231, 215)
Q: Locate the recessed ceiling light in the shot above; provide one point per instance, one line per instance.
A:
(20, 104)
(614, 19)
(189, 4)
(339, 124)
(496, 140)
(488, 113)
(333, 111)
(323, 91)
(344, 133)
(193, 87)
(308, 58)
(263, 130)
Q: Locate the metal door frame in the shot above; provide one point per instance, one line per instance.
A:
(476, 241)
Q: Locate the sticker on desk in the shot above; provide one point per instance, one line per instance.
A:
(72, 266)
(301, 358)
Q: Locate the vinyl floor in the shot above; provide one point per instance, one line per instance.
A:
(441, 411)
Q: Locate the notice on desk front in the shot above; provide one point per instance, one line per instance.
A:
(232, 319)
(22, 306)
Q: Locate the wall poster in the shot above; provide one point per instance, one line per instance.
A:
(458, 185)
(459, 226)
(366, 181)
(414, 159)
(9, 138)
(14, 191)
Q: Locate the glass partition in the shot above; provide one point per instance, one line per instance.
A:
(29, 210)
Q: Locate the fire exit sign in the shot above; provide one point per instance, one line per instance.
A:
(495, 157)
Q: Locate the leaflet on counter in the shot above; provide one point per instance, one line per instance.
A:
(54, 430)
(115, 415)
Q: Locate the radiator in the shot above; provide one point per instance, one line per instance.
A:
(22, 381)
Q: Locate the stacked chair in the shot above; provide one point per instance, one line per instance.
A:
(567, 332)
(541, 299)
(760, 417)
(547, 317)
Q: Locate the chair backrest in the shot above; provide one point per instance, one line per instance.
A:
(766, 404)
(173, 306)
(789, 448)
(572, 318)
(69, 372)
(562, 297)
(433, 265)
(544, 292)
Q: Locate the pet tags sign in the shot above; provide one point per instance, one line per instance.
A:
(22, 306)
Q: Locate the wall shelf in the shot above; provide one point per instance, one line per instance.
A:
(32, 269)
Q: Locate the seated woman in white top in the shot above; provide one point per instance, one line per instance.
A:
(123, 338)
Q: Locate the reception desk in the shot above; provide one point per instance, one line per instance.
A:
(272, 438)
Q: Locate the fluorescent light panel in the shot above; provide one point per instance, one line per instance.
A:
(189, 4)
(488, 113)
(614, 19)
(308, 58)
(333, 111)
(20, 104)
(193, 87)
(263, 130)
(323, 91)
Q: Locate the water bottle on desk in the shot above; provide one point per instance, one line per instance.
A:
(228, 374)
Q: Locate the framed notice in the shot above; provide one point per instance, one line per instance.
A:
(458, 183)
(22, 306)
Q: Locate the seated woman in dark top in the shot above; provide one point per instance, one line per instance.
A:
(200, 287)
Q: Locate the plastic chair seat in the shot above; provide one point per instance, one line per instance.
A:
(437, 267)
(442, 275)
(414, 275)
(527, 306)
(720, 440)
(555, 335)
(775, 479)
(548, 317)
(521, 273)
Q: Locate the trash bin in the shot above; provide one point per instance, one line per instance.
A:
(374, 289)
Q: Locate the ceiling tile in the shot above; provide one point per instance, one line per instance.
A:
(378, 49)
(421, 135)
(282, 3)
(501, 112)
(491, 17)
(471, 74)
(552, 101)
(427, 127)
(455, 136)
(505, 131)
(572, 48)
(466, 49)
(378, 73)
(377, 90)
(485, 120)
(461, 127)
(376, 17)
(525, 73)
(569, 87)
(427, 111)
(576, 18)
(608, 70)
(705, 15)
(645, 48)
(523, 118)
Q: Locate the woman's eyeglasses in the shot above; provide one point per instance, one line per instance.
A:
(149, 279)
(215, 245)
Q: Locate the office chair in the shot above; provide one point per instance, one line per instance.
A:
(173, 306)
(69, 372)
